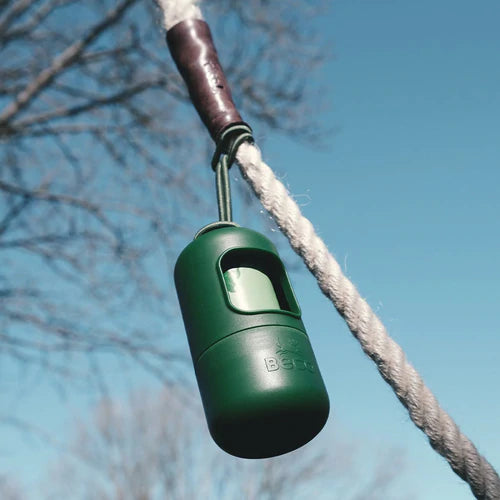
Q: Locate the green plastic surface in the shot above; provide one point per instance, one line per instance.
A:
(261, 388)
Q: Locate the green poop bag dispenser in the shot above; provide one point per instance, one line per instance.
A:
(260, 385)
(261, 388)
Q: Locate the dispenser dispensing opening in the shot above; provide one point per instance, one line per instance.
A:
(255, 280)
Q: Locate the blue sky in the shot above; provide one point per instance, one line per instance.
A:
(406, 194)
(407, 197)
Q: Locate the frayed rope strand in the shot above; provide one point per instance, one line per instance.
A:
(175, 11)
(444, 435)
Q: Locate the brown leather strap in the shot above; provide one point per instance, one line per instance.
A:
(193, 51)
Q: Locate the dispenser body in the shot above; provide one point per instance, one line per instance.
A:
(261, 388)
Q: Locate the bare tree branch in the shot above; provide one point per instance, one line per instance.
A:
(96, 102)
(104, 170)
(12, 14)
(154, 446)
(62, 61)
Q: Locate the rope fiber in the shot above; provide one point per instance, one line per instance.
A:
(443, 433)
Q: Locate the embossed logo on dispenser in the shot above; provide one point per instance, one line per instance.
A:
(290, 357)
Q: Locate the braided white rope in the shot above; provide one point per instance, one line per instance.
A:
(444, 435)
(175, 11)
